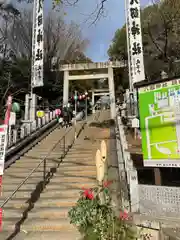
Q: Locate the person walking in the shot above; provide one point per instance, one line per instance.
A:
(66, 116)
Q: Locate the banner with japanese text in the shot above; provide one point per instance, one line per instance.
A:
(37, 44)
(159, 109)
(135, 47)
(3, 140)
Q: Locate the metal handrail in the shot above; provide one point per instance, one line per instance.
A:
(39, 164)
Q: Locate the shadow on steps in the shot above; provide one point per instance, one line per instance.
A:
(35, 195)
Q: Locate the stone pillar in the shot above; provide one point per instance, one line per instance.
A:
(111, 92)
(134, 190)
(33, 107)
(93, 102)
(26, 115)
(93, 98)
(66, 87)
(130, 170)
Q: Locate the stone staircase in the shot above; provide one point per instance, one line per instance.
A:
(38, 212)
(15, 211)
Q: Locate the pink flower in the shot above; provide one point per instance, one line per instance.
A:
(124, 215)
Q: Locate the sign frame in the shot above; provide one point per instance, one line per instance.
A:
(164, 109)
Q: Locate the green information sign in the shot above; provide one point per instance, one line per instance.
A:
(159, 109)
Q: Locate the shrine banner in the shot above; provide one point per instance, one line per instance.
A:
(159, 109)
(135, 46)
(37, 45)
(3, 140)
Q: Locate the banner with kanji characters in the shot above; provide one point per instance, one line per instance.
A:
(37, 45)
(3, 141)
(135, 48)
(159, 109)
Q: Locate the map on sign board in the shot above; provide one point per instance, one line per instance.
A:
(159, 109)
(3, 135)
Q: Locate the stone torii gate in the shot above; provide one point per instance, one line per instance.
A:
(100, 70)
(99, 92)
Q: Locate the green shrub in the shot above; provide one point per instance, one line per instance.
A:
(95, 218)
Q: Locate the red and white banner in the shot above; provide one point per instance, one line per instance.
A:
(3, 139)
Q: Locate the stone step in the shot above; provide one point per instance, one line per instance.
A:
(78, 173)
(30, 159)
(16, 205)
(43, 155)
(77, 168)
(58, 193)
(58, 235)
(72, 179)
(49, 165)
(24, 174)
(32, 163)
(16, 171)
(19, 194)
(48, 213)
(41, 225)
(81, 159)
(45, 194)
(58, 203)
(25, 187)
(8, 180)
(81, 151)
(79, 162)
(81, 155)
(12, 213)
(69, 186)
(22, 166)
(45, 152)
(10, 235)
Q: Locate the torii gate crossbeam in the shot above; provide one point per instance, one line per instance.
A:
(108, 66)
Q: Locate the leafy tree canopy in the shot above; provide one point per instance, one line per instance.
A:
(161, 40)
(63, 43)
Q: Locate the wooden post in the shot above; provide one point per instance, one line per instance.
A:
(100, 173)
(103, 151)
(104, 156)
(99, 167)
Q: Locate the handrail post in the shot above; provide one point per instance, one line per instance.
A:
(64, 145)
(44, 173)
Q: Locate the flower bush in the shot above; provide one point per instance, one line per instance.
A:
(95, 218)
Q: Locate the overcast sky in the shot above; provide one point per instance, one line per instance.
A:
(101, 34)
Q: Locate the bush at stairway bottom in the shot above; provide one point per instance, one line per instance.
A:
(95, 219)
